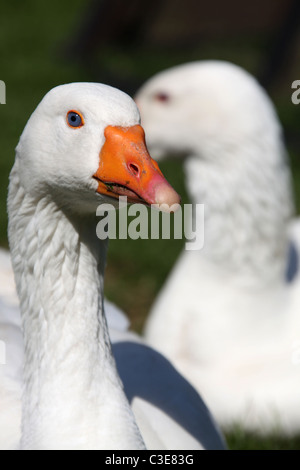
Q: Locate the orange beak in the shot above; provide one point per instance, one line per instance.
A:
(126, 169)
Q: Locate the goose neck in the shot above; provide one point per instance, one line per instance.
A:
(72, 393)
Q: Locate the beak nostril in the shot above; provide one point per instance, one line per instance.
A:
(134, 169)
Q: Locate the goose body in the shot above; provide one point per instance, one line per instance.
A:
(232, 309)
(73, 397)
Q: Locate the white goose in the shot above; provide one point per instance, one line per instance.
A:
(79, 138)
(232, 309)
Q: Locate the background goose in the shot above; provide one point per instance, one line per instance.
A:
(79, 138)
(231, 310)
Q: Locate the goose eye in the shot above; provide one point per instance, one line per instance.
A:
(162, 97)
(75, 119)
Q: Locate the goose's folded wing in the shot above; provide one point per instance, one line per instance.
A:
(116, 318)
(166, 406)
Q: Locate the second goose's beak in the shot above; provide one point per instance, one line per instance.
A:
(126, 169)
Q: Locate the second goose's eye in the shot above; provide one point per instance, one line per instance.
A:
(75, 119)
(162, 97)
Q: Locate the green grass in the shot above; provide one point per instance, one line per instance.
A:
(32, 36)
(238, 439)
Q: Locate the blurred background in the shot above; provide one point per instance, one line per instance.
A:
(44, 44)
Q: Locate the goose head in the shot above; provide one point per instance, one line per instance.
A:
(204, 109)
(84, 145)
(216, 115)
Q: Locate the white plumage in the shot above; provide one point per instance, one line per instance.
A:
(228, 315)
(72, 394)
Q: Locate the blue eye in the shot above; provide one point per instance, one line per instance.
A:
(74, 119)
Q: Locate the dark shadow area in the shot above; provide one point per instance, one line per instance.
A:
(148, 375)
